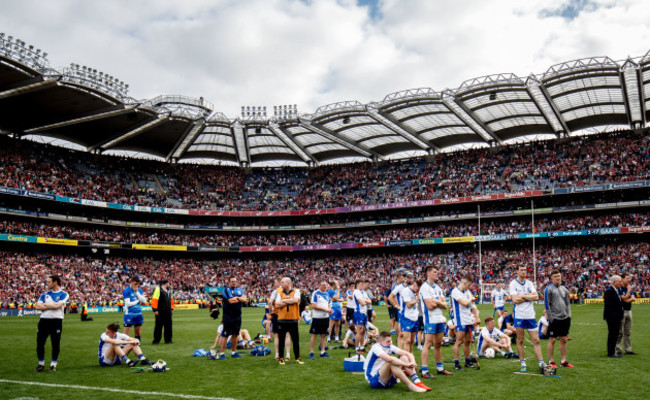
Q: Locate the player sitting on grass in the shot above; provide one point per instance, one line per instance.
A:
(350, 337)
(382, 370)
(245, 341)
(493, 338)
(111, 351)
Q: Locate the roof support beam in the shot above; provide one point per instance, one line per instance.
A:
(631, 83)
(554, 107)
(321, 130)
(241, 144)
(82, 120)
(108, 143)
(185, 141)
(402, 130)
(292, 144)
(28, 88)
(462, 112)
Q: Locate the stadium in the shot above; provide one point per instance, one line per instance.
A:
(549, 171)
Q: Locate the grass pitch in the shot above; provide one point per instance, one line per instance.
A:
(80, 377)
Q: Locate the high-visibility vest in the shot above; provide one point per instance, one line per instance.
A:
(290, 312)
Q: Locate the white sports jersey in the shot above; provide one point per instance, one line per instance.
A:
(373, 362)
(432, 292)
(51, 297)
(523, 310)
(495, 335)
(351, 303)
(541, 323)
(105, 346)
(321, 299)
(499, 297)
(410, 313)
(397, 291)
(462, 314)
(306, 316)
(358, 295)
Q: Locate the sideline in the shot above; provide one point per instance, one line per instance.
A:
(105, 389)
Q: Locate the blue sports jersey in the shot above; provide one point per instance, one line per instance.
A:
(232, 311)
(130, 295)
(335, 304)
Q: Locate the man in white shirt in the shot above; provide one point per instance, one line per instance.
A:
(360, 316)
(432, 300)
(52, 305)
(274, 321)
(524, 295)
(395, 298)
(382, 370)
(409, 315)
(461, 302)
(322, 306)
(498, 298)
(493, 338)
(114, 348)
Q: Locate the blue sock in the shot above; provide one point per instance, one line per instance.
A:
(425, 368)
(456, 362)
(468, 360)
(439, 366)
(415, 378)
(141, 357)
(125, 358)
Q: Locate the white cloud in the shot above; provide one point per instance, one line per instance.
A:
(311, 53)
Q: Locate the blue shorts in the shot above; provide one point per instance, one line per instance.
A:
(530, 324)
(107, 363)
(359, 319)
(464, 328)
(336, 315)
(499, 308)
(376, 383)
(406, 325)
(434, 329)
(133, 319)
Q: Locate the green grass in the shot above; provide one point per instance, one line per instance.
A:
(596, 376)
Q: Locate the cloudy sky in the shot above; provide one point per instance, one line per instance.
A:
(316, 52)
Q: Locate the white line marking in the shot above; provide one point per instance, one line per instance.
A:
(105, 389)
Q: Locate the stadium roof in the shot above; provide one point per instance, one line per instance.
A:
(92, 109)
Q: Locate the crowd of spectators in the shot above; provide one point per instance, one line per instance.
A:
(578, 161)
(586, 267)
(103, 233)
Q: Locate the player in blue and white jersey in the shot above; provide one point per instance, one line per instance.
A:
(461, 302)
(524, 295)
(133, 301)
(498, 298)
(360, 317)
(52, 305)
(491, 337)
(337, 312)
(395, 298)
(432, 300)
(382, 370)
(409, 314)
(114, 348)
(350, 305)
(542, 326)
(322, 306)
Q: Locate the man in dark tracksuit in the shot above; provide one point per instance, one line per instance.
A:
(613, 313)
(163, 308)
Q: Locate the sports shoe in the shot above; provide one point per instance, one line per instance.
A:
(523, 369)
(444, 372)
(325, 355)
(542, 369)
(311, 356)
(39, 368)
(281, 361)
(132, 363)
(470, 365)
(52, 368)
(457, 367)
(144, 361)
(552, 364)
(288, 358)
(420, 347)
(235, 355)
(423, 386)
(566, 364)
(428, 375)
(222, 357)
(299, 361)
(393, 332)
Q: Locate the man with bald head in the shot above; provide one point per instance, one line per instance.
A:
(613, 314)
(287, 305)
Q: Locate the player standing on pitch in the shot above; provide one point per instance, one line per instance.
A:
(524, 295)
(133, 300)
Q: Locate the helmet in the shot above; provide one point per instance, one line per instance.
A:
(159, 366)
(490, 353)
